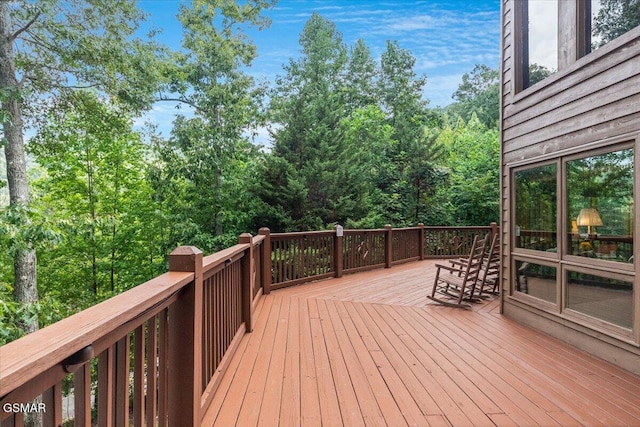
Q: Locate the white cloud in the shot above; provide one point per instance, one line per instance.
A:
(543, 33)
(414, 23)
(440, 88)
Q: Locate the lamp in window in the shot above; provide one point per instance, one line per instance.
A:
(589, 217)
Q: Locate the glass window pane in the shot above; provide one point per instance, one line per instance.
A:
(594, 36)
(536, 280)
(536, 208)
(607, 299)
(611, 19)
(542, 37)
(600, 206)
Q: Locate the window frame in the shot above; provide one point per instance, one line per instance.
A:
(554, 307)
(572, 53)
(595, 323)
(522, 78)
(535, 254)
(561, 260)
(583, 28)
(576, 260)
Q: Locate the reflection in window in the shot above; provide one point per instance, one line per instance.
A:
(541, 41)
(606, 299)
(536, 280)
(611, 19)
(600, 206)
(536, 207)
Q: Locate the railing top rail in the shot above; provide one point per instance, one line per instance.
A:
(302, 234)
(346, 230)
(363, 230)
(461, 227)
(33, 354)
(212, 261)
(377, 230)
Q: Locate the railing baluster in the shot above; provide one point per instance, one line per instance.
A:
(163, 374)
(52, 399)
(138, 376)
(152, 373)
(82, 395)
(122, 382)
(106, 385)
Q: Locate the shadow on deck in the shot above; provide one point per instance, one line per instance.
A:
(371, 349)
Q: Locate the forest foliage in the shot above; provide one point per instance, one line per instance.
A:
(354, 143)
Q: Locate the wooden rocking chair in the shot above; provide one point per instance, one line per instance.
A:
(456, 282)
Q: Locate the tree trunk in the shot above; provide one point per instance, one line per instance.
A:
(94, 219)
(25, 288)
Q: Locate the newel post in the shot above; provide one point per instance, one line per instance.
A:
(337, 250)
(185, 341)
(248, 280)
(494, 229)
(421, 241)
(266, 260)
(388, 247)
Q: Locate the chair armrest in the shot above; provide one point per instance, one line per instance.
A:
(450, 268)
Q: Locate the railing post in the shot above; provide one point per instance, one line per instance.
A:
(185, 342)
(388, 252)
(337, 250)
(494, 229)
(421, 241)
(247, 281)
(266, 260)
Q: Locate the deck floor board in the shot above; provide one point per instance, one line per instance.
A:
(370, 349)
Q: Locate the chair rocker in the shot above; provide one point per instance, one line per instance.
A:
(456, 282)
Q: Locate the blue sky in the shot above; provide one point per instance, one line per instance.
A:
(447, 37)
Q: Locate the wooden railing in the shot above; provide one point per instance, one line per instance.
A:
(159, 349)
(363, 250)
(155, 354)
(452, 242)
(305, 256)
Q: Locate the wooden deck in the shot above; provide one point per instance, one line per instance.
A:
(371, 349)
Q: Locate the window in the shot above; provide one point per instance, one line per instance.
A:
(539, 32)
(601, 21)
(580, 26)
(600, 206)
(536, 280)
(536, 208)
(604, 298)
(573, 245)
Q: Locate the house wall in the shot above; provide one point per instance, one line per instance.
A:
(590, 102)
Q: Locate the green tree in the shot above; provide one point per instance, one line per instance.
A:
(478, 94)
(367, 141)
(473, 159)
(538, 73)
(615, 18)
(413, 175)
(360, 78)
(94, 191)
(50, 47)
(207, 156)
(308, 104)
